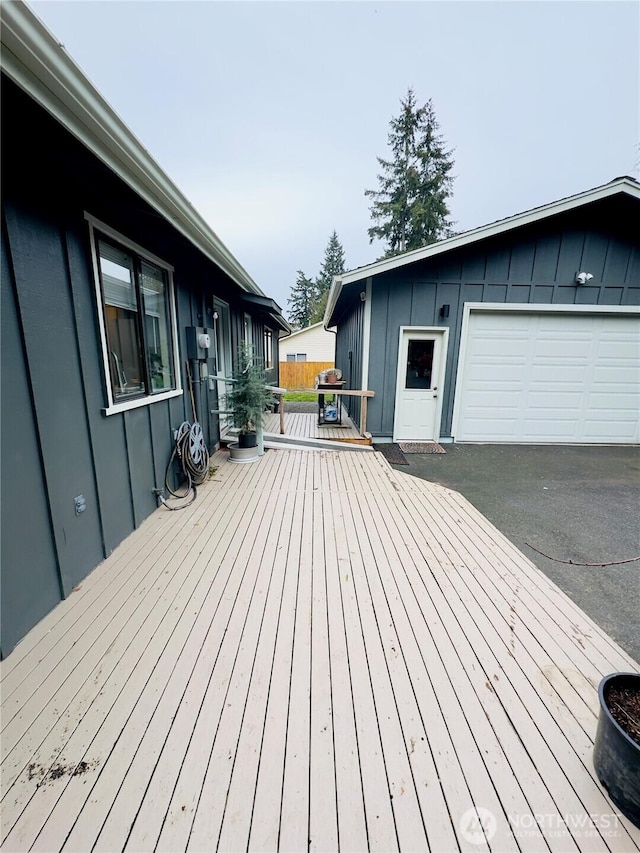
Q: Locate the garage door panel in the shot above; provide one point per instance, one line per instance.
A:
(608, 432)
(549, 429)
(550, 378)
(500, 400)
(568, 374)
(609, 374)
(569, 351)
(554, 400)
(490, 374)
(619, 402)
(485, 432)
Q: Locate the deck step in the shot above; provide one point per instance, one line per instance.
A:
(296, 442)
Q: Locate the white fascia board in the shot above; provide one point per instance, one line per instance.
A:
(306, 329)
(624, 185)
(34, 60)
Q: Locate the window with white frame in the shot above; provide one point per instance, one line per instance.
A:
(268, 349)
(139, 321)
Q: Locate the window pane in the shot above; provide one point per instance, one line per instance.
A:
(419, 364)
(291, 356)
(121, 317)
(155, 300)
(301, 356)
(268, 348)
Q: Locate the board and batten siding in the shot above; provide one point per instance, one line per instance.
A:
(532, 265)
(58, 443)
(349, 354)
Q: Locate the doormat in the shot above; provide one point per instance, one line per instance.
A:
(392, 454)
(421, 447)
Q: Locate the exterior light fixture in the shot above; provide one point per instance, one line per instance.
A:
(583, 277)
(444, 311)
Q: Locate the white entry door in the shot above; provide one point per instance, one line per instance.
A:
(421, 363)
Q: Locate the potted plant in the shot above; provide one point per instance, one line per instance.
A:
(247, 400)
(333, 375)
(616, 752)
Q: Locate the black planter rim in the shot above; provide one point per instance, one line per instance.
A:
(602, 689)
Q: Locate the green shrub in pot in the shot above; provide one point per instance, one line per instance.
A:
(248, 396)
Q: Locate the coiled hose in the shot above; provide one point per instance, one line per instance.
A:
(191, 450)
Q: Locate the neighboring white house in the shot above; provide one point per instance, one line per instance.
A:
(314, 343)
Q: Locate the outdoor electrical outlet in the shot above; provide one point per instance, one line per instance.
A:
(79, 504)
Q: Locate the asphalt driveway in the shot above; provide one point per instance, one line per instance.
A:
(571, 503)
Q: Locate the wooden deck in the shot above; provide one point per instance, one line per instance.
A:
(301, 425)
(321, 653)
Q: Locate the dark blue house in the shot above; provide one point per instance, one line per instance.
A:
(526, 330)
(118, 301)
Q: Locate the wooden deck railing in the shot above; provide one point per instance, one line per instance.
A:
(280, 392)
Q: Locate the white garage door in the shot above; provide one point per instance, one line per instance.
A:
(544, 377)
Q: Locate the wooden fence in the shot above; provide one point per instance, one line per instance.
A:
(301, 374)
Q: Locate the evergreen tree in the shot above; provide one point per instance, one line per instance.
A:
(302, 301)
(410, 208)
(333, 264)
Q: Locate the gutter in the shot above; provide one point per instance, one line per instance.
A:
(332, 299)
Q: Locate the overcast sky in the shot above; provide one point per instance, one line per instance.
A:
(269, 116)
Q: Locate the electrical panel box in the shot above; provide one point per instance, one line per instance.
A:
(198, 343)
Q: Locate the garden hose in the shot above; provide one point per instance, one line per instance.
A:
(191, 450)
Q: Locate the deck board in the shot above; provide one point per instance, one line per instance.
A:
(304, 425)
(320, 653)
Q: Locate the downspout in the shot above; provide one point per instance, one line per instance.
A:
(333, 332)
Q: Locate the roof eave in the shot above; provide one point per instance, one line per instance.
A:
(332, 299)
(269, 307)
(37, 63)
(619, 185)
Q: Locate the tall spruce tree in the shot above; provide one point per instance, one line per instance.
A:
(333, 264)
(302, 301)
(410, 208)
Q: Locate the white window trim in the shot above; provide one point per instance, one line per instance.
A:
(518, 308)
(113, 407)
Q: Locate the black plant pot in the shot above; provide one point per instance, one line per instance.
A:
(616, 755)
(247, 439)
